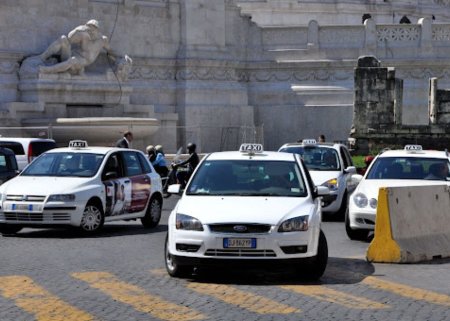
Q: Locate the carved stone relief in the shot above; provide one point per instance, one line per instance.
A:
(398, 33)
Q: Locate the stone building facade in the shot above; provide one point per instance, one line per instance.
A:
(217, 72)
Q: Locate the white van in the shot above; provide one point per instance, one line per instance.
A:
(26, 149)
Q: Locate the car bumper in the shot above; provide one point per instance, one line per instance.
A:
(69, 214)
(362, 218)
(208, 248)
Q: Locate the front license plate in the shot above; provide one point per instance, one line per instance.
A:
(22, 207)
(239, 243)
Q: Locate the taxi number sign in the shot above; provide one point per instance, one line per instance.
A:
(239, 243)
(251, 148)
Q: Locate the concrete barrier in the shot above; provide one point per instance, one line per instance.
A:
(412, 224)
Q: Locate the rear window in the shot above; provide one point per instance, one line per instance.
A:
(37, 148)
(17, 148)
(316, 158)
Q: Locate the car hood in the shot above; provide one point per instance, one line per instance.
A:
(370, 187)
(243, 209)
(41, 185)
(320, 177)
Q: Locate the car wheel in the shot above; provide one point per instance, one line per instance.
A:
(93, 219)
(175, 270)
(153, 213)
(318, 263)
(355, 235)
(9, 229)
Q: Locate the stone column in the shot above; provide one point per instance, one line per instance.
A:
(426, 37)
(370, 44)
(432, 101)
(313, 35)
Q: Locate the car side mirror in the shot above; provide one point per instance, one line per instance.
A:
(174, 189)
(350, 170)
(321, 191)
(110, 175)
(356, 178)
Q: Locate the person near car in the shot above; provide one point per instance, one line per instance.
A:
(321, 138)
(159, 163)
(126, 140)
(191, 163)
(151, 153)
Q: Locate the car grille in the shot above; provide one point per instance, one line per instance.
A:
(25, 198)
(240, 252)
(240, 228)
(36, 217)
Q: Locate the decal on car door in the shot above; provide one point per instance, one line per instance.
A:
(118, 196)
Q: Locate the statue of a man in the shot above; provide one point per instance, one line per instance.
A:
(77, 50)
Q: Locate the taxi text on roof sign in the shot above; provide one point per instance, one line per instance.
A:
(413, 148)
(78, 144)
(309, 141)
(251, 148)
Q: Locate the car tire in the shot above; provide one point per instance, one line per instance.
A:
(317, 264)
(175, 270)
(152, 214)
(357, 234)
(6, 229)
(93, 219)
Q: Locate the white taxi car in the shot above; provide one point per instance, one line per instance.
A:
(82, 186)
(247, 206)
(411, 166)
(330, 165)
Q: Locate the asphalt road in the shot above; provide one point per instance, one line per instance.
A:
(55, 274)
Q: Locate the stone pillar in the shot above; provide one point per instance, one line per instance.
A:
(432, 101)
(426, 36)
(313, 35)
(370, 44)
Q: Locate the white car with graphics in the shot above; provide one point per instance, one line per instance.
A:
(82, 186)
(247, 206)
(411, 166)
(330, 165)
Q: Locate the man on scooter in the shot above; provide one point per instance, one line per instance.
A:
(191, 162)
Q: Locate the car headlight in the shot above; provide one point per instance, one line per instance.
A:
(373, 203)
(360, 200)
(332, 184)
(61, 198)
(299, 223)
(186, 222)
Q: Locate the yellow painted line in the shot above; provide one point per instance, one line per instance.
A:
(408, 291)
(137, 297)
(323, 293)
(39, 302)
(242, 299)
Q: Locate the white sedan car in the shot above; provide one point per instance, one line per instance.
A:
(411, 166)
(247, 206)
(330, 165)
(84, 187)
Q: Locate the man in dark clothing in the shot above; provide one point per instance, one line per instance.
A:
(191, 162)
(125, 141)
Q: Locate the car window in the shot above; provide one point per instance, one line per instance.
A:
(17, 148)
(3, 164)
(132, 164)
(65, 164)
(37, 148)
(248, 178)
(316, 158)
(408, 168)
(346, 158)
(144, 163)
(113, 165)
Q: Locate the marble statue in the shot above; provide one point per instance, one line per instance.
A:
(72, 53)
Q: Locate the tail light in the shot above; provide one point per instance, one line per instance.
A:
(30, 153)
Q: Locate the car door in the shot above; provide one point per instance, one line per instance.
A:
(117, 186)
(347, 161)
(140, 182)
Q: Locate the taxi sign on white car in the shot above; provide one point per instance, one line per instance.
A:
(251, 208)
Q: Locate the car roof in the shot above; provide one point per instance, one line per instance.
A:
(25, 139)
(265, 156)
(90, 150)
(329, 145)
(418, 154)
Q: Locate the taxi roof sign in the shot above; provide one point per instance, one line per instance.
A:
(310, 141)
(251, 148)
(413, 148)
(78, 144)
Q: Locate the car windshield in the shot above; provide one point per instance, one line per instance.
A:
(65, 164)
(409, 168)
(248, 178)
(316, 158)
